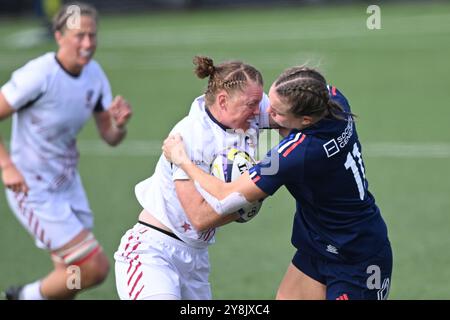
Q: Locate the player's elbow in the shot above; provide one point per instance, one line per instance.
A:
(200, 224)
(113, 137)
(203, 220)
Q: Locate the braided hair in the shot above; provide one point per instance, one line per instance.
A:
(229, 76)
(305, 90)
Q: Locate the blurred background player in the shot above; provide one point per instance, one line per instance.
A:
(51, 98)
(343, 250)
(165, 255)
(46, 10)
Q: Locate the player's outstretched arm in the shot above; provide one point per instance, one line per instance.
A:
(111, 123)
(175, 152)
(199, 212)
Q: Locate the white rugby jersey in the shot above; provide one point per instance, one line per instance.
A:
(204, 138)
(52, 106)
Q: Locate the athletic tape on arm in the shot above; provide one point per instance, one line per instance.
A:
(232, 203)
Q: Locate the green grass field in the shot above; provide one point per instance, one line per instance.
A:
(396, 80)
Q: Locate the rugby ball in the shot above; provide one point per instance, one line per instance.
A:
(229, 165)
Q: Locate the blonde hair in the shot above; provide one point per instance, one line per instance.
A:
(229, 76)
(61, 17)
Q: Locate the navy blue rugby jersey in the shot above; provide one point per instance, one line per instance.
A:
(322, 167)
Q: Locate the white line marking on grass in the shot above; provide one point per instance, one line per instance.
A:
(27, 38)
(407, 150)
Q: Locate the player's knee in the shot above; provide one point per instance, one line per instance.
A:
(280, 295)
(89, 257)
(95, 270)
(283, 293)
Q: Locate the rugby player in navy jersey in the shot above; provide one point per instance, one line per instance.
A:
(343, 250)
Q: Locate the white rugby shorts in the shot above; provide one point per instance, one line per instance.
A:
(150, 263)
(53, 218)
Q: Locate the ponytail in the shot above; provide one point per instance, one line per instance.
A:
(337, 112)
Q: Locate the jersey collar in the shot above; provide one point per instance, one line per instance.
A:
(222, 126)
(73, 75)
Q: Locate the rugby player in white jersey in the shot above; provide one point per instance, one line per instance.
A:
(165, 255)
(50, 100)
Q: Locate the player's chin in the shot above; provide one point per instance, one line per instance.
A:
(84, 60)
(280, 123)
(244, 126)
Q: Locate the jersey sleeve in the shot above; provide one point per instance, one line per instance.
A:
(194, 148)
(282, 165)
(263, 117)
(26, 86)
(105, 98)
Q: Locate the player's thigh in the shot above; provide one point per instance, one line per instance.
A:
(50, 221)
(195, 275)
(296, 285)
(141, 281)
(143, 266)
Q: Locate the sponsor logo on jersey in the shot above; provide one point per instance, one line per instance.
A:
(89, 95)
(346, 134)
(331, 148)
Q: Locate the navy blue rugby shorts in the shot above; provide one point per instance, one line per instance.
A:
(368, 280)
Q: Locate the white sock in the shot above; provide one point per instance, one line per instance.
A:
(32, 291)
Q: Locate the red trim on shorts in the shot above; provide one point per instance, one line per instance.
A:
(127, 245)
(132, 249)
(36, 226)
(134, 272)
(131, 263)
(137, 294)
(30, 217)
(41, 236)
(33, 221)
(135, 283)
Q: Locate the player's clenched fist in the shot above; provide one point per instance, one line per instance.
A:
(13, 179)
(120, 111)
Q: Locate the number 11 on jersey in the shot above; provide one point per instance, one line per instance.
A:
(350, 163)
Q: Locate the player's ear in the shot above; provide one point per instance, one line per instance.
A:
(222, 99)
(307, 121)
(58, 37)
